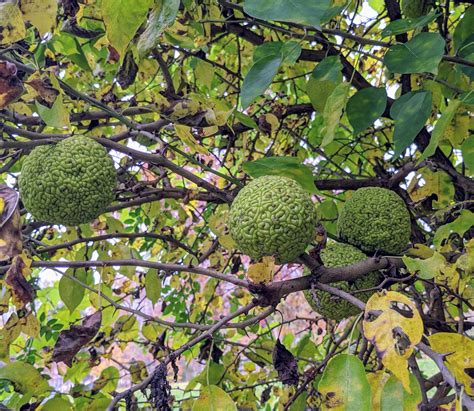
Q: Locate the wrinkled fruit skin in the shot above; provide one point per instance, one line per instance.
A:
(273, 216)
(375, 219)
(331, 306)
(68, 183)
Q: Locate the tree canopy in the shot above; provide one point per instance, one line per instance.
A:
(152, 305)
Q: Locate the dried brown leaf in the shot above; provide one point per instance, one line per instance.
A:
(71, 341)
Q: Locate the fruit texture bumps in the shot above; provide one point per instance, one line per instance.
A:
(69, 183)
(331, 306)
(273, 216)
(375, 219)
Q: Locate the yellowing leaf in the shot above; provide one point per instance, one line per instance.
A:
(420, 251)
(435, 182)
(393, 324)
(344, 385)
(204, 73)
(40, 13)
(377, 381)
(162, 16)
(122, 19)
(186, 136)
(218, 225)
(394, 397)
(459, 356)
(262, 273)
(152, 286)
(333, 111)
(12, 27)
(55, 404)
(425, 269)
(436, 267)
(463, 223)
(24, 377)
(213, 398)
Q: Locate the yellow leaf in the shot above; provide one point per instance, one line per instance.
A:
(420, 250)
(377, 381)
(12, 27)
(459, 356)
(430, 182)
(393, 324)
(186, 136)
(41, 13)
(218, 225)
(262, 273)
(272, 122)
(31, 325)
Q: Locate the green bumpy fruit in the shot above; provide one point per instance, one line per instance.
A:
(273, 216)
(375, 219)
(68, 183)
(331, 306)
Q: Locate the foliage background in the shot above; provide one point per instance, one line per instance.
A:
(192, 98)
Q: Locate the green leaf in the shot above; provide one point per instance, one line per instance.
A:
(467, 150)
(333, 111)
(258, 79)
(152, 286)
(426, 269)
(25, 378)
(295, 11)
(122, 18)
(441, 125)
(344, 384)
(394, 397)
(56, 116)
(466, 51)
(56, 404)
(329, 69)
(404, 25)
(211, 374)
(213, 398)
(290, 167)
(421, 54)
(464, 28)
(246, 120)
(289, 51)
(366, 106)
(70, 291)
(162, 16)
(324, 79)
(464, 222)
(410, 113)
(377, 5)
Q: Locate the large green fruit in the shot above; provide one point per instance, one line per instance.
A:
(68, 183)
(375, 219)
(331, 306)
(273, 216)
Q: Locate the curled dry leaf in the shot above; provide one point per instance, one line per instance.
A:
(285, 364)
(71, 341)
(393, 324)
(10, 226)
(21, 289)
(10, 85)
(46, 92)
(127, 71)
